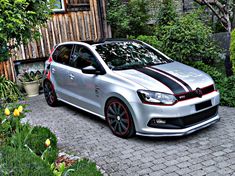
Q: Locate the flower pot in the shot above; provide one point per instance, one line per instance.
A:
(31, 88)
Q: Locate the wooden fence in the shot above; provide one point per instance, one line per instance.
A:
(69, 26)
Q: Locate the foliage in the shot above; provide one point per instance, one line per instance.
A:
(20, 162)
(32, 150)
(128, 19)
(36, 142)
(227, 91)
(83, 167)
(232, 50)
(167, 13)
(59, 170)
(30, 76)
(117, 17)
(17, 140)
(9, 91)
(225, 85)
(152, 40)
(10, 118)
(20, 20)
(188, 39)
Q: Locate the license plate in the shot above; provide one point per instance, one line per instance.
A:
(203, 105)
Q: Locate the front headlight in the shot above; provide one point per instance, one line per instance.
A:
(152, 97)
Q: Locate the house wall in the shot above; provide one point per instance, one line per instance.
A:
(62, 27)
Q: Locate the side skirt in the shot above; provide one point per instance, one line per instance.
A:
(91, 112)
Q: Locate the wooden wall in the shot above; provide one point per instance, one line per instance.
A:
(69, 26)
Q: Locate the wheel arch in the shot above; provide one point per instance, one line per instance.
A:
(123, 100)
(44, 80)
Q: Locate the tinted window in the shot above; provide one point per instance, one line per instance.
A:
(129, 54)
(62, 54)
(82, 57)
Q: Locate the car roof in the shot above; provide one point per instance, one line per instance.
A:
(99, 42)
(107, 40)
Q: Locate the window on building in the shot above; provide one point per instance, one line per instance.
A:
(78, 5)
(59, 6)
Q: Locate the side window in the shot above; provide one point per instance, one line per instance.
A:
(83, 57)
(62, 54)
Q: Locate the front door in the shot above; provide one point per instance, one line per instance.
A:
(85, 86)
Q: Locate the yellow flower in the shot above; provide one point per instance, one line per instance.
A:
(7, 112)
(20, 108)
(47, 143)
(16, 113)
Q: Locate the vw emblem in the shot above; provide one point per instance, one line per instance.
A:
(199, 92)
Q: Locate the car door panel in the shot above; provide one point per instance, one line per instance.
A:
(60, 71)
(84, 86)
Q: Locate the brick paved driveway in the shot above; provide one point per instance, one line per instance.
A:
(207, 152)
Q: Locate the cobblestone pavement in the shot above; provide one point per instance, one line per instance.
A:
(210, 151)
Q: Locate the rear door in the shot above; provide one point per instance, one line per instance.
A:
(60, 70)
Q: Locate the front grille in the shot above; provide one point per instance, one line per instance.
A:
(186, 121)
(193, 94)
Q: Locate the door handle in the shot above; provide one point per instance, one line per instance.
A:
(71, 76)
(53, 70)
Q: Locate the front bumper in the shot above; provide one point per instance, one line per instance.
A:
(153, 132)
(144, 113)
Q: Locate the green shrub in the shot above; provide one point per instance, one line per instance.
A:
(167, 13)
(129, 18)
(225, 85)
(227, 91)
(188, 39)
(151, 40)
(36, 142)
(9, 91)
(83, 167)
(19, 162)
(232, 50)
(20, 21)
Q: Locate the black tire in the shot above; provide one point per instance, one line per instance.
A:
(119, 118)
(49, 93)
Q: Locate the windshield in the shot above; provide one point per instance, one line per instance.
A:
(120, 55)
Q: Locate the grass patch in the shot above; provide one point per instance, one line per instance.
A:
(83, 167)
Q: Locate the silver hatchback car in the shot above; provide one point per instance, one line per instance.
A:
(133, 86)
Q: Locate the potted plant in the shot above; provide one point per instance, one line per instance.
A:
(31, 82)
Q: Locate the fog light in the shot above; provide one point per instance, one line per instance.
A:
(160, 121)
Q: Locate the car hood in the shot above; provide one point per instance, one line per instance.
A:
(171, 78)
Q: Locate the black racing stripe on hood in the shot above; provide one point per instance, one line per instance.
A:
(171, 84)
(178, 79)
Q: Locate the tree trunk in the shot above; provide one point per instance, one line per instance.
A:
(233, 17)
(227, 62)
(222, 14)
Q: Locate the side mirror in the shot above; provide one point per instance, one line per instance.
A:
(91, 70)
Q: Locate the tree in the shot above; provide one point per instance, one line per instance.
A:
(128, 18)
(167, 13)
(117, 17)
(224, 12)
(188, 39)
(19, 22)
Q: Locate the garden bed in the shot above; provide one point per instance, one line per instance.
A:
(27, 150)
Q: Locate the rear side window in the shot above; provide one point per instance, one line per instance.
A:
(62, 54)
